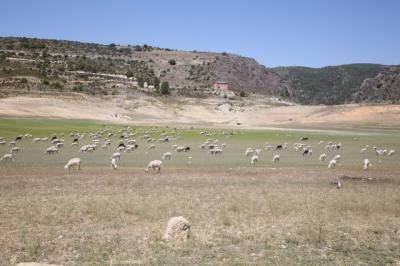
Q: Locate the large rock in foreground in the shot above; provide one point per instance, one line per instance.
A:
(178, 228)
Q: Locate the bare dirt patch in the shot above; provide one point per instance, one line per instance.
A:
(217, 113)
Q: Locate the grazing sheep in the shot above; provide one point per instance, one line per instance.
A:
(279, 147)
(7, 157)
(303, 138)
(121, 148)
(167, 156)
(332, 164)
(254, 159)
(51, 150)
(12, 143)
(249, 152)
(59, 145)
(367, 164)
(180, 149)
(74, 162)
(322, 157)
(114, 163)
(88, 148)
(116, 155)
(156, 164)
(363, 150)
(187, 149)
(338, 184)
(391, 152)
(2, 142)
(178, 228)
(130, 148)
(337, 157)
(216, 151)
(15, 150)
(276, 158)
(380, 152)
(122, 145)
(152, 146)
(258, 151)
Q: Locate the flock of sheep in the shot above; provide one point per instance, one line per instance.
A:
(126, 143)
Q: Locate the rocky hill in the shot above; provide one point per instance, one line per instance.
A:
(52, 66)
(384, 87)
(327, 85)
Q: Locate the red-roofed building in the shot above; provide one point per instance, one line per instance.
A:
(220, 85)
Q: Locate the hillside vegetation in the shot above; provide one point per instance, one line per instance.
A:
(328, 85)
(52, 66)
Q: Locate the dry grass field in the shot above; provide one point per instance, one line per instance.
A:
(287, 213)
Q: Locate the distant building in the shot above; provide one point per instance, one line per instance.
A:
(220, 85)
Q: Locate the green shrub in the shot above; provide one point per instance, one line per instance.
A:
(165, 88)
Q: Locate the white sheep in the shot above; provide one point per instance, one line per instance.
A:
(116, 155)
(367, 164)
(15, 150)
(337, 157)
(249, 152)
(254, 159)
(322, 157)
(332, 164)
(216, 151)
(167, 156)
(391, 152)
(363, 150)
(74, 162)
(180, 149)
(258, 151)
(7, 157)
(276, 158)
(114, 163)
(130, 148)
(155, 164)
(51, 150)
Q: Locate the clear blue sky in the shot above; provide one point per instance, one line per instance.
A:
(281, 32)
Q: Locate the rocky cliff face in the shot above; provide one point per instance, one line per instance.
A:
(245, 74)
(383, 88)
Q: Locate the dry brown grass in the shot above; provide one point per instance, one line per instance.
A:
(242, 216)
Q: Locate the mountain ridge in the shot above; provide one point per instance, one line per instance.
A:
(46, 64)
